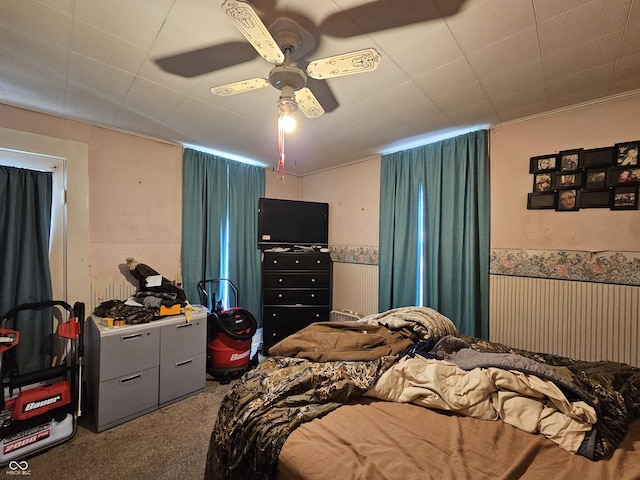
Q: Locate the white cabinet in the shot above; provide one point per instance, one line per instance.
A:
(135, 369)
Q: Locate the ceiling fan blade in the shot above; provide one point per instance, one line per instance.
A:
(346, 64)
(247, 21)
(308, 103)
(239, 87)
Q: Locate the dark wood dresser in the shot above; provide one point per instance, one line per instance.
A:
(296, 291)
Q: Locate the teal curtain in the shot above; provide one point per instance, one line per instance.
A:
(220, 228)
(25, 226)
(434, 230)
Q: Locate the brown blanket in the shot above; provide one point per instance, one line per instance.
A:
(331, 341)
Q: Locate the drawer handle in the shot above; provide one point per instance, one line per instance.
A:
(279, 295)
(297, 261)
(184, 362)
(313, 280)
(131, 378)
(313, 295)
(131, 337)
(184, 325)
(279, 280)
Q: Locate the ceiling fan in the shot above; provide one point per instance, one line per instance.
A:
(291, 42)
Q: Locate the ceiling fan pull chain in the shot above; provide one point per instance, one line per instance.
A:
(280, 167)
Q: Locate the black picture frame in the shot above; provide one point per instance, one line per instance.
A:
(623, 175)
(541, 201)
(594, 198)
(595, 178)
(543, 163)
(542, 182)
(598, 157)
(626, 153)
(568, 180)
(624, 197)
(570, 160)
(567, 200)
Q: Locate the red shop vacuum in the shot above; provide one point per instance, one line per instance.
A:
(229, 335)
(39, 406)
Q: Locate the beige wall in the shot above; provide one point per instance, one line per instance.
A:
(511, 146)
(353, 194)
(133, 199)
(134, 189)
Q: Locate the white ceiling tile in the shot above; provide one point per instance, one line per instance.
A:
(518, 49)
(125, 19)
(153, 99)
(463, 97)
(591, 20)
(105, 48)
(451, 76)
(490, 22)
(38, 20)
(515, 80)
(584, 56)
(431, 50)
(99, 76)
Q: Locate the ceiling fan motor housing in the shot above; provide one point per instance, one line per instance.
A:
(284, 75)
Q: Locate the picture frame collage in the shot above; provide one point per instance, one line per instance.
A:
(606, 177)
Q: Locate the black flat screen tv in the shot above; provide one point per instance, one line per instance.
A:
(289, 223)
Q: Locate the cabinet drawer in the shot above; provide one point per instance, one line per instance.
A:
(181, 340)
(128, 350)
(296, 297)
(296, 261)
(296, 280)
(182, 377)
(126, 397)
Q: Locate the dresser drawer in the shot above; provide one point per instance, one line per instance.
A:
(304, 314)
(182, 339)
(182, 377)
(296, 261)
(128, 349)
(297, 280)
(127, 397)
(275, 329)
(296, 297)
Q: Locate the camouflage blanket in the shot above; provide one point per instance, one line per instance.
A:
(258, 414)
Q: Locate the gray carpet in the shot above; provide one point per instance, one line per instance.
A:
(170, 443)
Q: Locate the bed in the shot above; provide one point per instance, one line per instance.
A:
(401, 395)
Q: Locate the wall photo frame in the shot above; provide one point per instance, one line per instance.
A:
(627, 153)
(594, 198)
(595, 178)
(570, 160)
(541, 201)
(542, 182)
(624, 197)
(564, 180)
(624, 175)
(567, 201)
(598, 157)
(543, 163)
